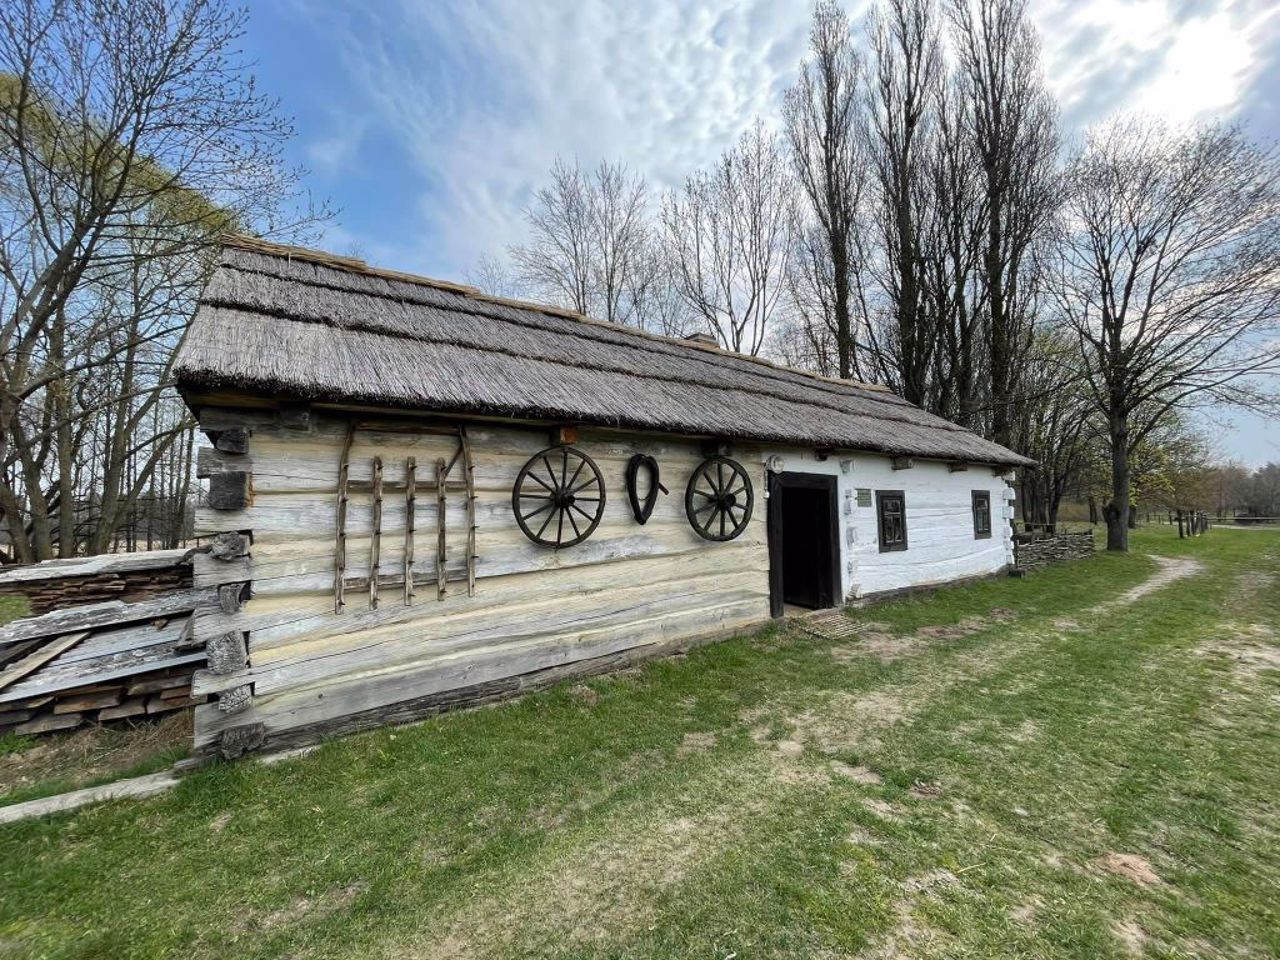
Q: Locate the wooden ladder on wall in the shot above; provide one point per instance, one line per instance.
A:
(441, 483)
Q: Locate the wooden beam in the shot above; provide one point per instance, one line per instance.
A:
(410, 524)
(468, 475)
(100, 564)
(37, 659)
(227, 652)
(442, 473)
(235, 440)
(107, 613)
(295, 416)
(210, 461)
(375, 537)
(238, 740)
(230, 545)
(230, 490)
(208, 571)
(340, 548)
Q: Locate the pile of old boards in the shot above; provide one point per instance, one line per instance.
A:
(95, 660)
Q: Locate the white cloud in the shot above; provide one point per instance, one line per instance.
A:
(336, 152)
(1183, 61)
(482, 95)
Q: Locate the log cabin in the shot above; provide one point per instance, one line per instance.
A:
(420, 496)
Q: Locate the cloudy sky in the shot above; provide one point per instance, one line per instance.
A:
(430, 123)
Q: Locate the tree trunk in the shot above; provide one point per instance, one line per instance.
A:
(65, 451)
(844, 327)
(1117, 511)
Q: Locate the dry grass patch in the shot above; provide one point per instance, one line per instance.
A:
(858, 774)
(698, 742)
(1130, 866)
(1131, 936)
(1252, 648)
(301, 908)
(96, 754)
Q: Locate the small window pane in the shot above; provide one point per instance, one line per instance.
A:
(981, 514)
(891, 510)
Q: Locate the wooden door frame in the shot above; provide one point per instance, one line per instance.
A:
(777, 483)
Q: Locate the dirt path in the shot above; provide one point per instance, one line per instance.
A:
(1170, 570)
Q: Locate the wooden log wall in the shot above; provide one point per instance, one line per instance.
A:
(533, 613)
(226, 567)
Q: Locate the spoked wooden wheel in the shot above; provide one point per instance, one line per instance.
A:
(719, 499)
(559, 497)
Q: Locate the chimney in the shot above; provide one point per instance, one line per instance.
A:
(703, 339)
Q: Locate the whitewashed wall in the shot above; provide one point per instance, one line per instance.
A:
(940, 541)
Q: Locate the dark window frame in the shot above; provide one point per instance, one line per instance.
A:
(883, 496)
(983, 498)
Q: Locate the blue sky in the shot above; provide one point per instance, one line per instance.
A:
(429, 124)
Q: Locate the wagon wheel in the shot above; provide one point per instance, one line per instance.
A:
(558, 497)
(719, 499)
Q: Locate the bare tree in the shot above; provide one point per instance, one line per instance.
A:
(729, 235)
(589, 249)
(1169, 275)
(492, 276)
(1014, 142)
(558, 262)
(951, 244)
(655, 292)
(821, 117)
(1054, 425)
(906, 66)
(131, 137)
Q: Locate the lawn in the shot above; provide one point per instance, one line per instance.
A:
(1048, 767)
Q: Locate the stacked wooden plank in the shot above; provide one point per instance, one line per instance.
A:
(100, 662)
(58, 584)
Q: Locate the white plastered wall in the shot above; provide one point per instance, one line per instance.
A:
(940, 542)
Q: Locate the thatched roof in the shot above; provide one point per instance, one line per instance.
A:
(301, 324)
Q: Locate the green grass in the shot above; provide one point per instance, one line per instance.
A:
(11, 743)
(11, 608)
(703, 806)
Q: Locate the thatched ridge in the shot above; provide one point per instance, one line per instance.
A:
(303, 324)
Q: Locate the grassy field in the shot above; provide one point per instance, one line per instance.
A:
(1062, 766)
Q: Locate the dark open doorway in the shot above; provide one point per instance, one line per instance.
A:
(804, 548)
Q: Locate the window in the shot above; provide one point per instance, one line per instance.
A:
(981, 514)
(891, 510)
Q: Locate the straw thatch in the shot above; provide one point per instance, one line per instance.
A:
(302, 324)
